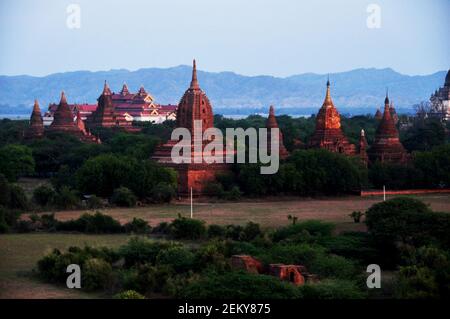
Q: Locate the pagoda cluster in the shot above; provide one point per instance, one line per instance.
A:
(63, 122)
(385, 148)
(196, 106)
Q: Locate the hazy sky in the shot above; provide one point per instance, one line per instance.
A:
(251, 37)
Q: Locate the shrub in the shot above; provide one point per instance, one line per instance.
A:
(67, 198)
(356, 216)
(214, 189)
(97, 223)
(94, 202)
(163, 193)
(44, 195)
(5, 191)
(234, 232)
(140, 251)
(233, 194)
(425, 275)
(137, 226)
(185, 228)
(216, 231)
(298, 231)
(332, 289)
(162, 228)
(129, 294)
(96, 274)
(124, 197)
(179, 258)
(239, 285)
(332, 266)
(251, 231)
(18, 198)
(409, 221)
(152, 278)
(3, 225)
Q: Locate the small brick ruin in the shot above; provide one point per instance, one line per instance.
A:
(295, 274)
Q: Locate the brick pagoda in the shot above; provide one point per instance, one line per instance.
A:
(194, 105)
(36, 128)
(328, 133)
(272, 123)
(387, 146)
(64, 122)
(363, 146)
(104, 115)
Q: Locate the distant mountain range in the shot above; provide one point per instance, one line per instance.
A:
(358, 91)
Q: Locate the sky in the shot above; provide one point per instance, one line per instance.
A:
(249, 37)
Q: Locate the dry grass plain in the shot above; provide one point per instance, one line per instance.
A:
(268, 213)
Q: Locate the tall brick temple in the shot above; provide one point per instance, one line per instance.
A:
(104, 115)
(272, 123)
(387, 146)
(36, 128)
(328, 133)
(193, 106)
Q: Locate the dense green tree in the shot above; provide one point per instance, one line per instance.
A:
(16, 161)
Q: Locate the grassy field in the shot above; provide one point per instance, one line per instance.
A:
(20, 252)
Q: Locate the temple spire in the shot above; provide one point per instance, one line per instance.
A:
(386, 100)
(63, 98)
(36, 107)
(328, 101)
(194, 82)
(106, 89)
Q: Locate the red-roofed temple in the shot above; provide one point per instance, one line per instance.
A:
(387, 146)
(193, 106)
(328, 133)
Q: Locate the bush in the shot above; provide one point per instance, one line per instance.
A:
(123, 197)
(152, 278)
(332, 289)
(239, 285)
(426, 274)
(251, 231)
(97, 223)
(163, 193)
(408, 221)
(332, 266)
(96, 274)
(44, 195)
(137, 226)
(18, 198)
(298, 231)
(214, 189)
(216, 231)
(179, 258)
(356, 216)
(67, 198)
(94, 202)
(139, 251)
(185, 228)
(5, 191)
(3, 225)
(233, 194)
(129, 294)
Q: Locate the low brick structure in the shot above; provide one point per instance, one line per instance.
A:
(291, 273)
(247, 263)
(295, 274)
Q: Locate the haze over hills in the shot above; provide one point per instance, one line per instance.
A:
(358, 91)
